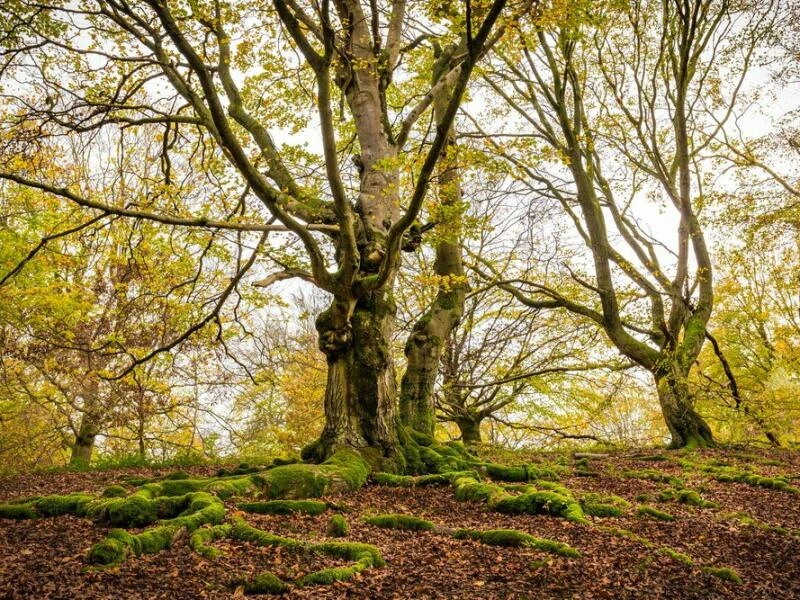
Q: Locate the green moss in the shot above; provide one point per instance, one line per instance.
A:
(349, 466)
(154, 540)
(597, 509)
(628, 535)
(391, 480)
(685, 496)
(746, 520)
(331, 575)
(234, 486)
(203, 508)
(649, 511)
(726, 474)
(17, 511)
(133, 511)
(506, 473)
(397, 521)
(725, 573)
(350, 551)
(652, 458)
(467, 488)
(542, 502)
(285, 507)
(265, 583)
(246, 533)
(526, 472)
(181, 487)
(115, 491)
(201, 539)
(337, 526)
(107, 552)
(364, 556)
(654, 475)
(514, 538)
(421, 438)
(178, 475)
(55, 506)
(677, 556)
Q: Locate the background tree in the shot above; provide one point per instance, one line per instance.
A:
(621, 112)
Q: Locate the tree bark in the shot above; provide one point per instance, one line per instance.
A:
(360, 395)
(470, 430)
(83, 446)
(687, 428)
(424, 347)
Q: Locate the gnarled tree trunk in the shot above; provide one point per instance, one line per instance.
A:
(470, 430)
(687, 428)
(360, 395)
(83, 446)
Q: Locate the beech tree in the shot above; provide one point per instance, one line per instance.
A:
(201, 72)
(623, 106)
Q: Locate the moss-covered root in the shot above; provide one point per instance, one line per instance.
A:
(396, 521)
(391, 480)
(201, 539)
(337, 527)
(725, 573)
(685, 496)
(199, 509)
(265, 583)
(554, 500)
(363, 556)
(526, 472)
(514, 538)
(649, 511)
(345, 471)
(285, 507)
(599, 505)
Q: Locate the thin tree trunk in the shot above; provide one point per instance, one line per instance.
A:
(424, 347)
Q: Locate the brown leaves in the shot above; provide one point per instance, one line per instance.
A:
(45, 558)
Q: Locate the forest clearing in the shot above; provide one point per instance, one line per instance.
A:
(706, 537)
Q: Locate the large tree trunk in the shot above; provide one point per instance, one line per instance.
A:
(83, 446)
(470, 430)
(687, 428)
(423, 349)
(360, 396)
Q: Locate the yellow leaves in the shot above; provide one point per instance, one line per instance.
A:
(443, 282)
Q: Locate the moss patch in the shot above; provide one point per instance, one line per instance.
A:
(265, 583)
(397, 521)
(654, 475)
(649, 511)
(514, 538)
(200, 540)
(685, 496)
(725, 573)
(337, 526)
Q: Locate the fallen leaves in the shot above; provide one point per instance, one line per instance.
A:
(45, 558)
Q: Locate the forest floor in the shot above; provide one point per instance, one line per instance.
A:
(751, 529)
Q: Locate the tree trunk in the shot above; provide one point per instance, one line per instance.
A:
(470, 430)
(423, 349)
(360, 395)
(84, 442)
(687, 428)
